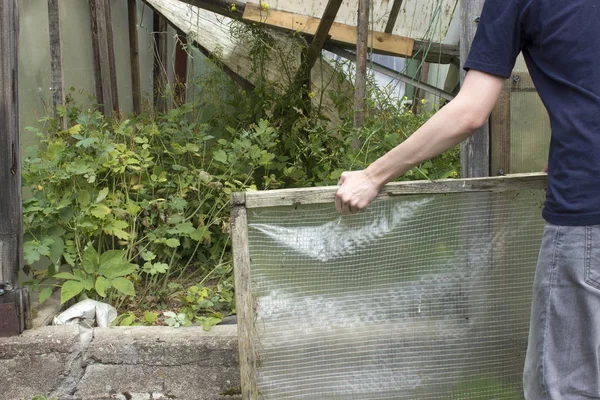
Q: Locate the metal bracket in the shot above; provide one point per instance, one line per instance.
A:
(14, 311)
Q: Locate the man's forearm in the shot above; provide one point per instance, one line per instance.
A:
(447, 128)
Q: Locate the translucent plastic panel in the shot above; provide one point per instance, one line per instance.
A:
(530, 133)
(419, 297)
(529, 125)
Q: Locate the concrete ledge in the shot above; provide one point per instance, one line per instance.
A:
(129, 363)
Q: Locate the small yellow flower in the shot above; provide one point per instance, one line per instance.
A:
(232, 8)
(40, 187)
(243, 92)
(423, 101)
(264, 6)
(311, 95)
(454, 174)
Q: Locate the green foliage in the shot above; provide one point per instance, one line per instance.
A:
(135, 211)
(42, 397)
(99, 274)
(484, 389)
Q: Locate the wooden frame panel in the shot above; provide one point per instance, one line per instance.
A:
(241, 202)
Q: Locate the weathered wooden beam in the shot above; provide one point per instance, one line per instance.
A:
(500, 133)
(58, 93)
(391, 23)
(338, 33)
(243, 297)
(475, 151)
(160, 77)
(101, 51)
(322, 33)
(10, 165)
(392, 73)
(326, 194)
(422, 76)
(112, 69)
(98, 83)
(14, 301)
(362, 45)
(134, 56)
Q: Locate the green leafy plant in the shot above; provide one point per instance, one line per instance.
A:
(135, 211)
(99, 274)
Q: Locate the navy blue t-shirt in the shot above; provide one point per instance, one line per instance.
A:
(560, 40)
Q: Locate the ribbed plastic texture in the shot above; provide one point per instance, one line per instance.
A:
(418, 297)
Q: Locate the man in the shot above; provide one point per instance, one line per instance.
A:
(560, 41)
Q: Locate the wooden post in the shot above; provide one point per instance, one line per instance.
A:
(160, 62)
(361, 63)
(58, 94)
(110, 44)
(96, 53)
(423, 76)
(243, 297)
(181, 63)
(500, 133)
(104, 58)
(475, 151)
(13, 301)
(10, 166)
(134, 55)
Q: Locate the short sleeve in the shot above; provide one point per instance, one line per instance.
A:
(498, 40)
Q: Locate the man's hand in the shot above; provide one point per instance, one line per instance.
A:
(356, 191)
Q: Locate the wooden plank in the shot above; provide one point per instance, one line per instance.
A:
(320, 195)
(391, 23)
(362, 45)
(243, 295)
(58, 93)
(10, 163)
(134, 57)
(393, 73)
(339, 33)
(500, 133)
(475, 151)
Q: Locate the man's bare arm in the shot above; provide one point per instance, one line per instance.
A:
(456, 121)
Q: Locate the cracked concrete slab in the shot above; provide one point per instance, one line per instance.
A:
(131, 363)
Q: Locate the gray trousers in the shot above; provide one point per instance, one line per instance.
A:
(563, 354)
